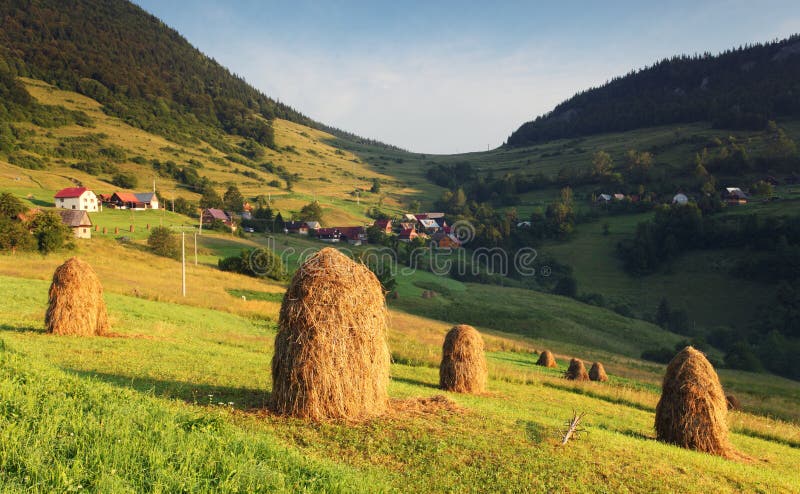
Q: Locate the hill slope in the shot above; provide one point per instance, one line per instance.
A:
(738, 89)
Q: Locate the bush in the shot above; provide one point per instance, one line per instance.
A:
(125, 180)
(163, 243)
(660, 355)
(258, 263)
(50, 232)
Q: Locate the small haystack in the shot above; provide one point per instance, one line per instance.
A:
(76, 304)
(598, 372)
(546, 359)
(692, 411)
(733, 402)
(331, 357)
(576, 371)
(463, 367)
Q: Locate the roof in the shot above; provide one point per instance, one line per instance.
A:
(75, 217)
(145, 196)
(433, 216)
(70, 192)
(295, 224)
(126, 197)
(408, 233)
(218, 214)
(383, 223)
(328, 232)
(429, 223)
(410, 217)
(314, 225)
(352, 232)
(604, 197)
(736, 192)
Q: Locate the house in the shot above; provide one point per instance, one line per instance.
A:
(354, 235)
(619, 197)
(126, 200)
(405, 225)
(104, 198)
(410, 217)
(78, 221)
(680, 199)
(384, 225)
(442, 240)
(330, 235)
(604, 198)
(298, 227)
(78, 198)
(734, 196)
(429, 226)
(524, 224)
(211, 215)
(407, 235)
(313, 225)
(149, 199)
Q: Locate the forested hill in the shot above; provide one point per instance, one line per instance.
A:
(141, 70)
(738, 89)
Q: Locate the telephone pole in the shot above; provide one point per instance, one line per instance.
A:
(183, 262)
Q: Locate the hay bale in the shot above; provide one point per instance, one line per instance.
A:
(732, 402)
(576, 371)
(598, 372)
(76, 305)
(331, 356)
(463, 367)
(692, 411)
(546, 359)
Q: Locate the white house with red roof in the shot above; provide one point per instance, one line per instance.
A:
(78, 198)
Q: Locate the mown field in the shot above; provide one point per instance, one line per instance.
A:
(175, 401)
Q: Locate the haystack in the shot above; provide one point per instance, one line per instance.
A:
(576, 371)
(331, 358)
(76, 304)
(463, 367)
(732, 402)
(546, 359)
(598, 372)
(692, 411)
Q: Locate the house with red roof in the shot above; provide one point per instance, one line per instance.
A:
(126, 200)
(77, 198)
(211, 215)
(384, 225)
(407, 235)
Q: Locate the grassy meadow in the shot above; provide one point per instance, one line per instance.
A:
(174, 400)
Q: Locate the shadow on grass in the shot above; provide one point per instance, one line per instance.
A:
(192, 393)
(22, 329)
(415, 382)
(517, 361)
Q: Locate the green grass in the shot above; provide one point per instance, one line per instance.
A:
(175, 402)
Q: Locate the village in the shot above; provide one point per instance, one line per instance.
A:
(74, 204)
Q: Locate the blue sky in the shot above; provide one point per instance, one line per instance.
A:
(445, 77)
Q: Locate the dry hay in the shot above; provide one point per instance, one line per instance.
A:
(434, 405)
(463, 367)
(598, 372)
(692, 411)
(732, 402)
(546, 359)
(76, 305)
(331, 357)
(576, 371)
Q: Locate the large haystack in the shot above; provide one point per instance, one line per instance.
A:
(331, 357)
(76, 304)
(576, 371)
(546, 359)
(598, 372)
(692, 411)
(463, 367)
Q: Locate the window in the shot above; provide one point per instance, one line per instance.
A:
(73, 206)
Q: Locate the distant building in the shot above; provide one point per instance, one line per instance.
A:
(442, 240)
(149, 199)
(126, 200)
(407, 235)
(354, 235)
(734, 196)
(78, 221)
(604, 198)
(313, 226)
(384, 225)
(619, 197)
(680, 199)
(298, 227)
(211, 215)
(77, 198)
(329, 235)
(429, 226)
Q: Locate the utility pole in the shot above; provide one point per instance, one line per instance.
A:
(195, 249)
(201, 222)
(183, 262)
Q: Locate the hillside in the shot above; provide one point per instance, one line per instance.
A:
(182, 384)
(739, 89)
